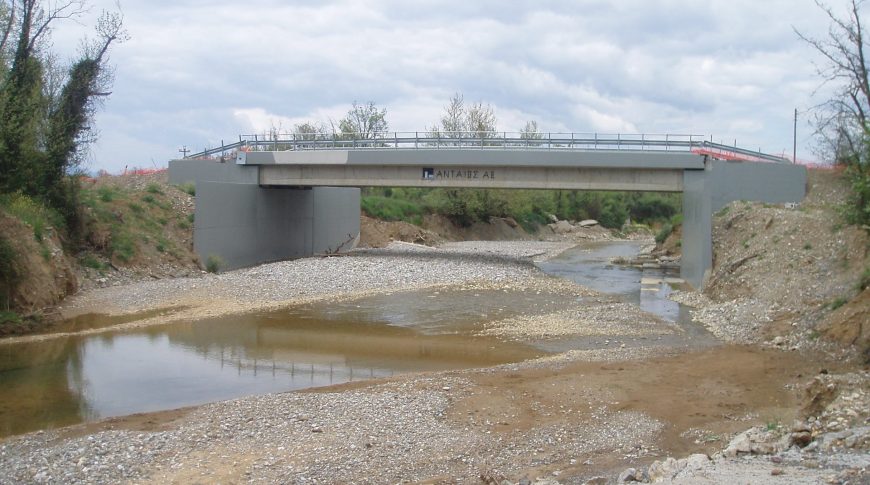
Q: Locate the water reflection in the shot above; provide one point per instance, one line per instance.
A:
(68, 380)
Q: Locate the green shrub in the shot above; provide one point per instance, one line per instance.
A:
(9, 272)
(864, 282)
(189, 188)
(91, 261)
(389, 209)
(121, 244)
(106, 194)
(149, 199)
(838, 302)
(663, 234)
(153, 189)
(36, 215)
(136, 208)
(183, 224)
(9, 318)
(213, 263)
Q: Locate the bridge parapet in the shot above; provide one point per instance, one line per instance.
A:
(488, 140)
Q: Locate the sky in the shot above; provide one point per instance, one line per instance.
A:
(196, 72)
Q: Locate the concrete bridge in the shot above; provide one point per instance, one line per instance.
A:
(294, 196)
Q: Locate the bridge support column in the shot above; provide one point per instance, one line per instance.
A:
(697, 243)
(244, 224)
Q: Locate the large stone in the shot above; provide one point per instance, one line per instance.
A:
(666, 469)
(800, 438)
(588, 223)
(562, 227)
(628, 475)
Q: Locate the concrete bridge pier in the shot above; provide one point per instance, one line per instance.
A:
(244, 224)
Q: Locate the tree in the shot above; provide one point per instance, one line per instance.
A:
(363, 122)
(843, 120)
(480, 120)
(308, 131)
(454, 120)
(45, 124)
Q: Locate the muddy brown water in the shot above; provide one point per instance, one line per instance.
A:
(68, 380)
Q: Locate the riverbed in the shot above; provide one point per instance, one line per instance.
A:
(627, 397)
(62, 381)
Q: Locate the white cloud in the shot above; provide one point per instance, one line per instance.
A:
(197, 72)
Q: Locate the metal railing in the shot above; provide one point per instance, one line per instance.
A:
(483, 140)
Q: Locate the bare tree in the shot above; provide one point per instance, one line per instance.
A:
(454, 119)
(843, 124)
(530, 131)
(843, 121)
(480, 120)
(364, 121)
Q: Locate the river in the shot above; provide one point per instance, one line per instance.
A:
(68, 380)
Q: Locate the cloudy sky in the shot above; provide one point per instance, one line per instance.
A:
(196, 72)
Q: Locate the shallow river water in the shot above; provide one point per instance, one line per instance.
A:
(73, 379)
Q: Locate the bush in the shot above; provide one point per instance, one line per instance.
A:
(213, 263)
(858, 208)
(9, 318)
(389, 209)
(9, 273)
(107, 194)
(121, 244)
(188, 188)
(36, 215)
(663, 234)
(153, 188)
(91, 261)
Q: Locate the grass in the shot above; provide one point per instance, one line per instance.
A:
(153, 189)
(34, 214)
(188, 188)
(838, 302)
(723, 211)
(9, 272)
(808, 246)
(107, 194)
(91, 261)
(213, 263)
(121, 244)
(864, 282)
(773, 424)
(9, 318)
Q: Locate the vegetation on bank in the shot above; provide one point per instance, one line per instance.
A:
(46, 118)
(530, 208)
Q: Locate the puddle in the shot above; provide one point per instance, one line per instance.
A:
(90, 321)
(69, 380)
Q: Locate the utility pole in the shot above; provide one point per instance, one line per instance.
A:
(794, 139)
(184, 151)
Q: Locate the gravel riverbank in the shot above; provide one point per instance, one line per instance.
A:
(575, 417)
